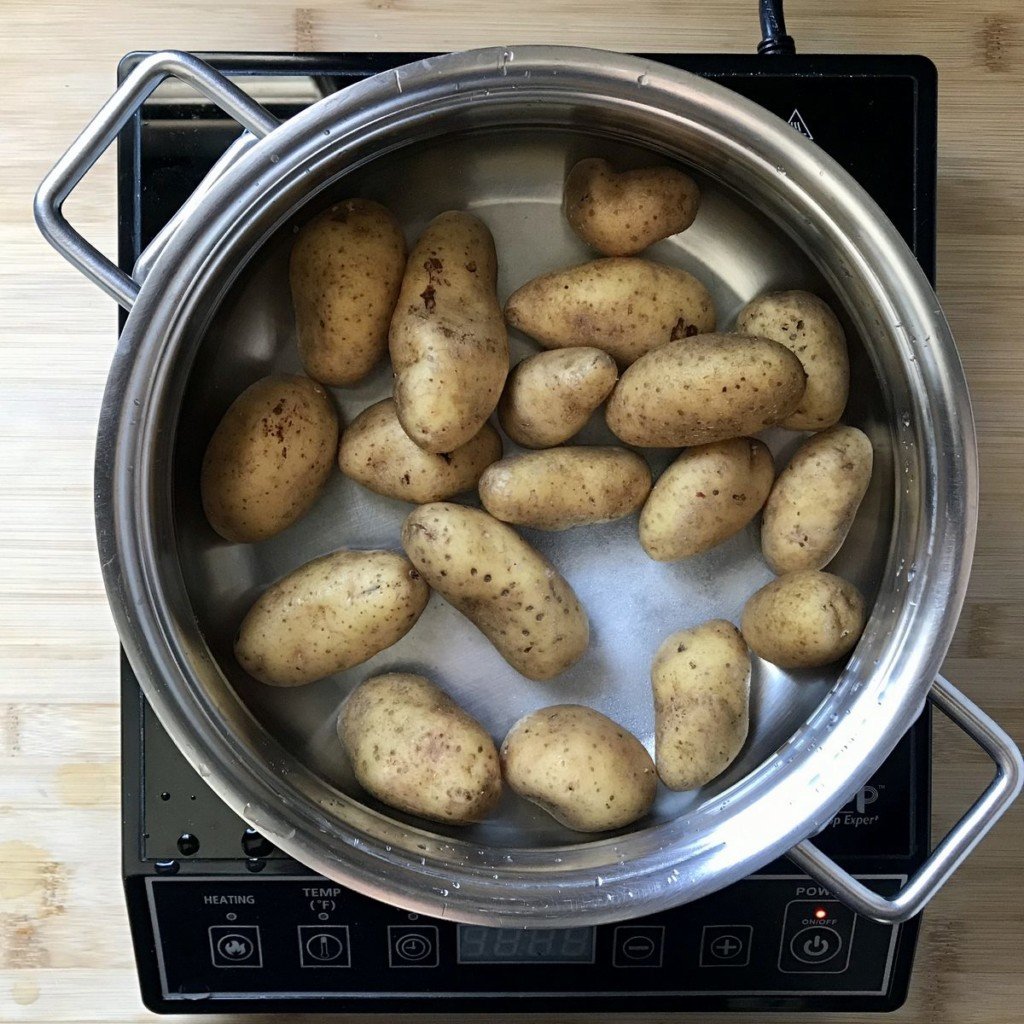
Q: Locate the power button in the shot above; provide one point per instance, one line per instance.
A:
(816, 937)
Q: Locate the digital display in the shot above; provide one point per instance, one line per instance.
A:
(479, 945)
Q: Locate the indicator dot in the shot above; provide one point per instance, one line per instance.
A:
(821, 913)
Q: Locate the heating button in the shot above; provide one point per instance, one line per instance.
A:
(816, 937)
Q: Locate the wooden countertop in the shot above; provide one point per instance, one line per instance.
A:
(64, 948)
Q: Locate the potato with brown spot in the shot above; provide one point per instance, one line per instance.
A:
(549, 397)
(815, 500)
(328, 615)
(622, 305)
(807, 327)
(449, 345)
(413, 748)
(708, 388)
(376, 452)
(586, 771)
(701, 683)
(622, 214)
(346, 269)
(558, 488)
(269, 458)
(506, 588)
(708, 494)
(804, 619)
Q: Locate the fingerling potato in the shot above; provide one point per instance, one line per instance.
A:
(708, 494)
(701, 683)
(815, 500)
(414, 748)
(449, 346)
(707, 388)
(549, 397)
(806, 326)
(586, 771)
(622, 214)
(624, 306)
(377, 452)
(269, 458)
(557, 488)
(508, 590)
(330, 614)
(346, 268)
(804, 619)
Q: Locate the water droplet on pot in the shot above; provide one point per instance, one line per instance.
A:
(642, 80)
(905, 419)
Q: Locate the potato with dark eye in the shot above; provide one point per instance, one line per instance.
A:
(622, 214)
(624, 306)
(346, 268)
(414, 748)
(269, 458)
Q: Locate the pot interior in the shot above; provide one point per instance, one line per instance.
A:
(512, 180)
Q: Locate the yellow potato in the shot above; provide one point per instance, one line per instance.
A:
(562, 487)
(414, 748)
(815, 500)
(509, 591)
(704, 389)
(269, 458)
(328, 615)
(701, 682)
(346, 268)
(804, 619)
(449, 346)
(808, 327)
(586, 771)
(709, 493)
(549, 397)
(624, 306)
(380, 455)
(621, 214)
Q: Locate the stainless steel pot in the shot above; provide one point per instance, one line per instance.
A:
(495, 130)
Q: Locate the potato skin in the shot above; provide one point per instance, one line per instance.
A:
(815, 500)
(346, 268)
(807, 326)
(509, 591)
(376, 452)
(586, 771)
(622, 214)
(269, 458)
(549, 397)
(449, 346)
(328, 615)
(558, 488)
(701, 683)
(622, 305)
(709, 493)
(708, 388)
(414, 748)
(804, 619)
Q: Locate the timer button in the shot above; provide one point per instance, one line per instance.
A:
(412, 945)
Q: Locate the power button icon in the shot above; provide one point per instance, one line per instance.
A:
(816, 945)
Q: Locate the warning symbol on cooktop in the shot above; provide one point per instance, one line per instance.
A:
(797, 122)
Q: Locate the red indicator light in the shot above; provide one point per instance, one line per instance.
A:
(821, 913)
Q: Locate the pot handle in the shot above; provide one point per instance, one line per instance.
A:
(958, 843)
(101, 131)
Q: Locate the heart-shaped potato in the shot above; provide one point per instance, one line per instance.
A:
(622, 214)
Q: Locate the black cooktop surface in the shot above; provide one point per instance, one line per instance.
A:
(222, 921)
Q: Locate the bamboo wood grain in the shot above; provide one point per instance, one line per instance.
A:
(64, 948)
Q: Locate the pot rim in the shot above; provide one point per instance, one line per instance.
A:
(788, 797)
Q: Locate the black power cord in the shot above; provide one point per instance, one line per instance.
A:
(774, 40)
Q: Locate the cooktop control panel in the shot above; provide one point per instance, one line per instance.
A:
(306, 937)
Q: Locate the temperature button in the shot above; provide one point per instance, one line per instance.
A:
(816, 937)
(323, 945)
